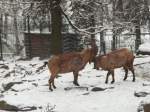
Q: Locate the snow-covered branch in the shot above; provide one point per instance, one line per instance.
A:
(84, 30)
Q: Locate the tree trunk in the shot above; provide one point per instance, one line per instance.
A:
(6, 26)
(24, 24)
(40, 26)
(149, 25)
(102, 41)
(93, 40)
(1, 47)
(114, 30)
(138, 35)
(56, 36)
(29, 38)
(49, 22)
(114, 41)
(17, 43)
(92, 21)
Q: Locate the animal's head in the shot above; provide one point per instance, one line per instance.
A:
(93, 53)
(89, 54)
(97, 61)
(86, 55)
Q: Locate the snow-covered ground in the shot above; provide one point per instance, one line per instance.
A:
(145, 47)
(32, 88)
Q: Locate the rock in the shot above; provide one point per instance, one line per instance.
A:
(144, 84)
(9, 73)
(98, 89)
(9, 85)
(28, 108)
(141, 94)
(5, 67)
(98, 76)
(86, 93)
(35, 84)
(14, 90)
(72, 88)
(28, 80)
(33, 65)
(110, 87)
(5, 106)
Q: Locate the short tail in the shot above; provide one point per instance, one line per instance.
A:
(45, 63)
(41, 68)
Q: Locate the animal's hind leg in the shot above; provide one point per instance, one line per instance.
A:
(132, 70)
(50, 87)
(51, 81)
(95, 67)
(126, 73)
(75, 82)
(107, 77)
(113, 78)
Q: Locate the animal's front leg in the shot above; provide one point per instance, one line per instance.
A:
(132, 70)
(51, 82)
(107, 77)
(75, 82)
(126, 73)
(113, 78)
(50, 86)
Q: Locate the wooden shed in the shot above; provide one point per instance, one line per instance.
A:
(38, 44)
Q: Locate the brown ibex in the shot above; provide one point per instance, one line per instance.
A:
(116, 59)
(69, 62)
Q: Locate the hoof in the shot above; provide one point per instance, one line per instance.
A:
(54, 87)
(50, 89)
(112, 82)
(75, 83)
(133, 80)
(124, 79)
(106, 82)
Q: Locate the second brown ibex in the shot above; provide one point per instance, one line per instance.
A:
(116, 59)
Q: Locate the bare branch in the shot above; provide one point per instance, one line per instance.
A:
(84, 31)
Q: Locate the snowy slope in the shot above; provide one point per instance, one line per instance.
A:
(33, 91)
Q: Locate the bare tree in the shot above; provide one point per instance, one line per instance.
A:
(52, 6)
(56, 20)
(102, 41)
(17, 43)
(6, 26)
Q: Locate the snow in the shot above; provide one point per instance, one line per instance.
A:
(118, 97)
(145, 47)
